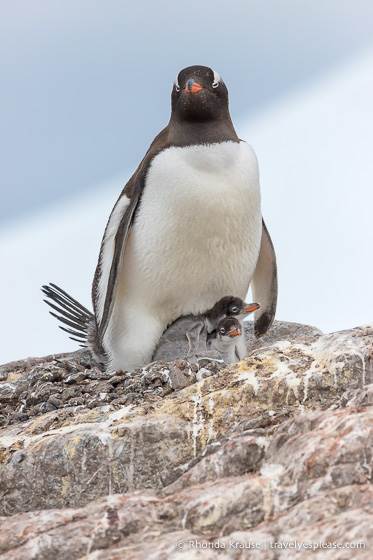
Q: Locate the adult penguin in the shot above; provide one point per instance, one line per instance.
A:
(186, 230)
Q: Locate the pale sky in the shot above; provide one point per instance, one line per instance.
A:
(86, 83)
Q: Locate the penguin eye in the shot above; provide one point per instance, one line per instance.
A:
(222, 330)
(234, 309)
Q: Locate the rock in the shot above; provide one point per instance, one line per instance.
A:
(361, 397)
(274, 449)
(280, 330)
(179, 380)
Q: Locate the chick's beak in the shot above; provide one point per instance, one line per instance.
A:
(250, 307)
(235, 332)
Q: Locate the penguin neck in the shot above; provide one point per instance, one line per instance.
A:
(211, 338)
(226, 347)
(188, 133)
(211, 320)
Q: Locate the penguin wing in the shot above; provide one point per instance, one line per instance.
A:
(264, 285)
(112, 250)
(193, 335)
(115, 238)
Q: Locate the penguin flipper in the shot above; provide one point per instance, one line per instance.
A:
(112, 251)
(193, 336)
(264, 285)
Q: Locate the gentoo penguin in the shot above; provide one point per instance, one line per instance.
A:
(187, 336)
(225, 340)
(186, 230)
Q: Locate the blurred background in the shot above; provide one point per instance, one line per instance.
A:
(85, 88)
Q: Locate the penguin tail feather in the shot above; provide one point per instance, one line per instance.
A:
(70, 313)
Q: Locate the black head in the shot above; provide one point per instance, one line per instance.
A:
(228, 306)
(199, 94)
(231, 306)
(228, 327)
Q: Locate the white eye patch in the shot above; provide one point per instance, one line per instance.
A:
(215, 83)
(176, 83)
(217, 79)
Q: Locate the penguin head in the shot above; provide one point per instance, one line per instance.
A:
(199, 94)
(232, 306)
(228, 328)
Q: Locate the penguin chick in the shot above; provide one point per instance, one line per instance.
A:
(188, 335)
(225, 339)
(228, 306)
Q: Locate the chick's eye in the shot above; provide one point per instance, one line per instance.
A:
(222, 331)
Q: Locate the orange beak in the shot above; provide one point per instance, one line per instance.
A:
(192, 86)
(250, 307)
(235, 332)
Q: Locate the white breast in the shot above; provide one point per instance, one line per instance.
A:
(196, 236)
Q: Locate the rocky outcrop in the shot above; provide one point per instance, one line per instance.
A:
(271, 454)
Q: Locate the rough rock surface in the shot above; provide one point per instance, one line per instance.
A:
(267, 459)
